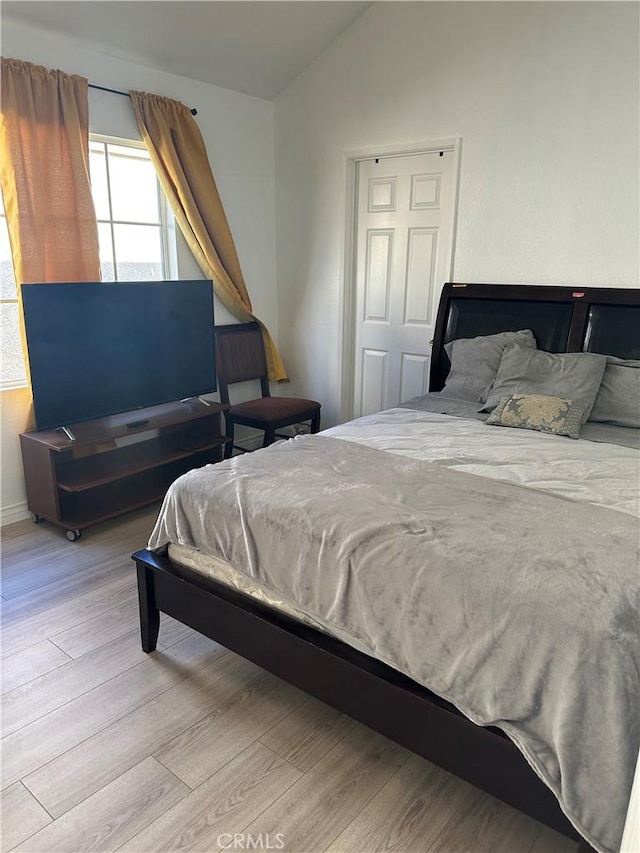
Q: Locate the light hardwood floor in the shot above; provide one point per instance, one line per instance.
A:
(192, 748)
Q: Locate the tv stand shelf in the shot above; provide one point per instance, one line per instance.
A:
(118, 463)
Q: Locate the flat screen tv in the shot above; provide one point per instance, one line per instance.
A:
(98, 348)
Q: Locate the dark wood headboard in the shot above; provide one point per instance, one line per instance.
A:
(563, 319)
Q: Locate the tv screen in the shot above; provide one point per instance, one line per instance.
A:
(98, 348)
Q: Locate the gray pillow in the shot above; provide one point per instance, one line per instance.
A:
(572, 375)
(618, 400)
(475, 361)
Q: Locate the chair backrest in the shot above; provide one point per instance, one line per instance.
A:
(240, 357)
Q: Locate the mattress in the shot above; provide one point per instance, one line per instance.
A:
(213, 568)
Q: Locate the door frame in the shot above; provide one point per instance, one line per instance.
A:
(350, 161)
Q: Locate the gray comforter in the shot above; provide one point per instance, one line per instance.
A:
(519, 607)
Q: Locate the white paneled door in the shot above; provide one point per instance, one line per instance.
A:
(404, 238)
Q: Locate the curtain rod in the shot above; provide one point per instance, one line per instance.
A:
(194, 111)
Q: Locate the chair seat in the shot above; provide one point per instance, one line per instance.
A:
(274, 409)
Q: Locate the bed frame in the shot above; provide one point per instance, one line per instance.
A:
(604, 320)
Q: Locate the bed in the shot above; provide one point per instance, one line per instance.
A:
(468, 589)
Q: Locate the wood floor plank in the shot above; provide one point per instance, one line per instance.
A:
(38, 743)
(30, 663)
(30, 628)
(58, 562)
(317, 808)
(488, 825)
(111, 816)
(39, 697)
(91, 576)
(49, 573)
(223, 805)
(24, 538)
(83, 769)
(199, 751)
(48, 562)
(94, 633)
(307, 733)
(18, 528)
(408, 813)
(172, 631)
(22, 815)
(549, 841)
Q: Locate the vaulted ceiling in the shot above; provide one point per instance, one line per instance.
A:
(253, 47)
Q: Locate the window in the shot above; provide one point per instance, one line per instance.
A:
(135, 230)
(131, 211)
(13, 375)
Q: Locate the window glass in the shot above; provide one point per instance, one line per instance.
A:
(131, 212)
(99, 183)
(7, 278)
(134, 185)
(12, 361)
(138, 251)
(107, 264)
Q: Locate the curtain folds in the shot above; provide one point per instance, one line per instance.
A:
(44, 176)
(179, 155)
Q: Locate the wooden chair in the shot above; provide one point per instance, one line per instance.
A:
(240, 357)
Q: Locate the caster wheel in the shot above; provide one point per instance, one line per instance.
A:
(36, 518)
(73, 535)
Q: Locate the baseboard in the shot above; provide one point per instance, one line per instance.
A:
(14, 512)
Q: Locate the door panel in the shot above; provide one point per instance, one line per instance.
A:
(422, 250)
(374, 372)
(403, 247)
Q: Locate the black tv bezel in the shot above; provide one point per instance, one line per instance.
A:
(45, 426)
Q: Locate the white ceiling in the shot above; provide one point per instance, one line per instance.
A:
(252, 47)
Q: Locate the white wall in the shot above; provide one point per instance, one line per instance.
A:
(238, 133)
(545, 98)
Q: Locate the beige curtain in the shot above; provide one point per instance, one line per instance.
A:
(44, 175)
(178, 153)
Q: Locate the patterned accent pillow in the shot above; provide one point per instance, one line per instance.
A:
(555, 415)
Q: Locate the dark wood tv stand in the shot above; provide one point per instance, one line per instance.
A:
(100, 474)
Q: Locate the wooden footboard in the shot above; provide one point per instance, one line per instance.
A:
(351, 682)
